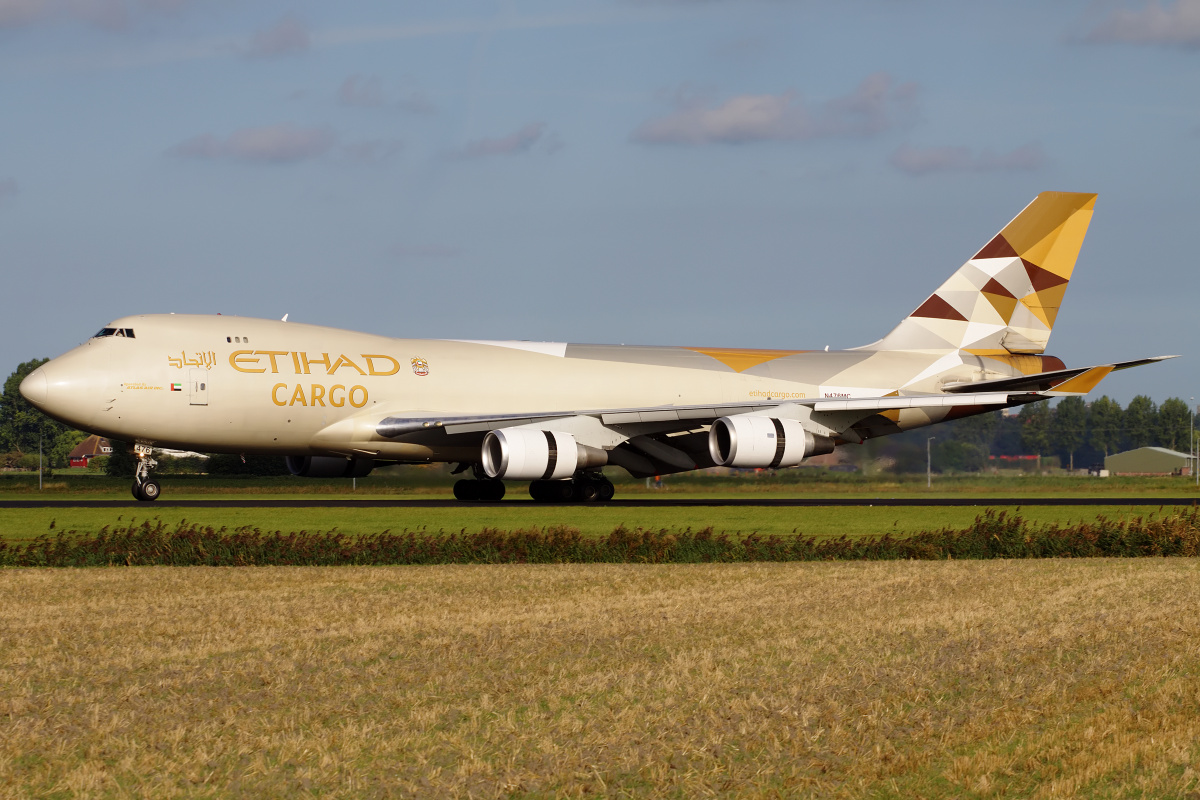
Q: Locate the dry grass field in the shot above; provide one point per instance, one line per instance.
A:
(1054, 678)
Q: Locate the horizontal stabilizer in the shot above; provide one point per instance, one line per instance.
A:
(1060, 381)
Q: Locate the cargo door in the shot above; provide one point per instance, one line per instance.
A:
(199, 384)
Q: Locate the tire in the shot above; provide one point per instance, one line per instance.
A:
(587, 491)
(607, 490)
(491, 491)
(537, 490)
(150, 490)
(136, 489)
(466, 490)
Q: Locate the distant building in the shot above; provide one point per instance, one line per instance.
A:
(88, 449)
(1149, 461)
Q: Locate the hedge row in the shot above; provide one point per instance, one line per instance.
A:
(991, 535)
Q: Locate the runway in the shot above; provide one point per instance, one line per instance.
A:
(798, 502)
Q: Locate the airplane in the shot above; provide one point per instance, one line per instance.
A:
(339, 403)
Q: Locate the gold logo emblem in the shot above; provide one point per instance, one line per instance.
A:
(420, 367)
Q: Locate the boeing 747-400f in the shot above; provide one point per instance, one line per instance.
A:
(338, 403)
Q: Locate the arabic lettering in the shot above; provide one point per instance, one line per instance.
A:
(206, 359)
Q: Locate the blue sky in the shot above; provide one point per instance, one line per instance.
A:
(721, 173)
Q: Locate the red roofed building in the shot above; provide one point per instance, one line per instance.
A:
(88, 449)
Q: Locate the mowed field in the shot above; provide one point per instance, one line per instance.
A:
(1060, 678)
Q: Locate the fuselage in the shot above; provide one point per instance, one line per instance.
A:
(243, 385)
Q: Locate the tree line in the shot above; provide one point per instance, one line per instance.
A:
(1080, 434)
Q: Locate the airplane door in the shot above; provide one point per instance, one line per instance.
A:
(199, 387)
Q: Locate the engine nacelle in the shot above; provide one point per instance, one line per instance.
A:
(528, 455)
(329, 466)
(763, 442)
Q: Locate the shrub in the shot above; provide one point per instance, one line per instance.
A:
(992, 535)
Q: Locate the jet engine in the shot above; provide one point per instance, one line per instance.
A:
(752, 441)
(521, 454)
(329, 466)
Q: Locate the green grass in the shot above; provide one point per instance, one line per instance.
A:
(789, 483)
(21, 523)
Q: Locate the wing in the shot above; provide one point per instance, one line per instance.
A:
(666, 418)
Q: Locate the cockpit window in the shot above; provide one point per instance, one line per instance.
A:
(125, 332)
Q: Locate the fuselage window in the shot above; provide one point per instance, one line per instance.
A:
(229, 338)
(129, 333)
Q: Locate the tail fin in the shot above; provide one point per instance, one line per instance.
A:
(1005, 299)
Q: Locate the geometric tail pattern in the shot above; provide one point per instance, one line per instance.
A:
(1005, 299)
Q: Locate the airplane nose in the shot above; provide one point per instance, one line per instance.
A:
(35, 387)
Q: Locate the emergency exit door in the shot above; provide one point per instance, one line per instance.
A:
(199, 390)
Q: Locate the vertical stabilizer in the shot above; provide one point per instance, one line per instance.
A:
(1005, 299)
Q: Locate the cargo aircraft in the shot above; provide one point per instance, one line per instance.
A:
(338, 403)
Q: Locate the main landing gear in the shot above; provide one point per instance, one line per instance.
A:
(145, 488)
(584, 487)
(487, 490)
(480, 490)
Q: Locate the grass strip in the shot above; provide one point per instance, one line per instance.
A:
(994, 534)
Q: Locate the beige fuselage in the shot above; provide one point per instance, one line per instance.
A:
(241, 385)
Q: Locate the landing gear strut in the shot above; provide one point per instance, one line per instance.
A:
(145, 488)
(584, 487)
(480, 490)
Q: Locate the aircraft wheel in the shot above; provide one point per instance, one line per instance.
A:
(136, 489)
(607, 490)
(544, 491)
(149, 490)
(587, 491)
(552, 491)
(491, 491)
(466, 490)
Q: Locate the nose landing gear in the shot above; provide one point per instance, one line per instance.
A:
(145, 488)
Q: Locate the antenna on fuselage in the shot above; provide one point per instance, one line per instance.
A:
(285, 316)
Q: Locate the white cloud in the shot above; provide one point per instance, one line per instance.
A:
(277, 144)
(373, 151)
(926, 160)
(519, 141)
(1175, 24)
(366, 91)
(363, 91)
(876, 105)
(286, 37)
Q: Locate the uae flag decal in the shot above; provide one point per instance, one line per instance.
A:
(176, 387)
